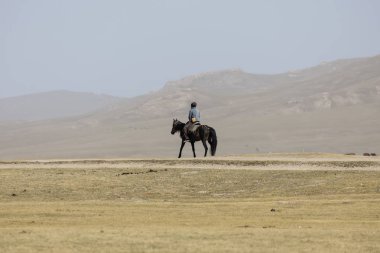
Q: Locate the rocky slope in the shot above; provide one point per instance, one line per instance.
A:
(333, 107)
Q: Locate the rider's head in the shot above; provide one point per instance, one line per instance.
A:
(193, 104)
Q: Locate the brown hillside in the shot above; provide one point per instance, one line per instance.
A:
(333, 107)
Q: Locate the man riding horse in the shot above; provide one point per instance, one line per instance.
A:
(193, 131)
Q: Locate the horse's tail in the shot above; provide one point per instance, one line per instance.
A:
(213, 140)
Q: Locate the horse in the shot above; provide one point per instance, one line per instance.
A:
(202, 133)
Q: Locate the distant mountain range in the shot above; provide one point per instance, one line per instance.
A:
(333, 107)
(49, 105)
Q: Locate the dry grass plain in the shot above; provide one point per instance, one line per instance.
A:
(261, 203)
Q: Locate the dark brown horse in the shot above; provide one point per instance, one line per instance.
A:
(202, 133)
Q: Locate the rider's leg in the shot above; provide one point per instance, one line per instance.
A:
(186, 130)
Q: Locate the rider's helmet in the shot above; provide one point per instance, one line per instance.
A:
(193, 104)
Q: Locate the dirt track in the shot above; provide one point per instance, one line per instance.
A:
(313, 161)
(262, 203)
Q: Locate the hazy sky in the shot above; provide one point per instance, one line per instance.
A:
(127, 48)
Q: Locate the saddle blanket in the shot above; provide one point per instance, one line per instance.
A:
(194, 127)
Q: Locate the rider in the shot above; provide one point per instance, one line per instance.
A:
(194, 118)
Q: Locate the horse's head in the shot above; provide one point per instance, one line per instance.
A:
(175, 128)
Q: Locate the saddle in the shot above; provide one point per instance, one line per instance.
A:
(193, 127)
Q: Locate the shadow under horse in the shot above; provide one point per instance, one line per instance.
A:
(202, 133)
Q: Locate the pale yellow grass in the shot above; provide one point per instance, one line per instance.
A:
(190, 206)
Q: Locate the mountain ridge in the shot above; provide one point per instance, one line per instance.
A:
(322, 109)
(51, 105)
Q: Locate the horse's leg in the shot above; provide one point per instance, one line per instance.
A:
(205, 146)
(180, 150)
(192, 146)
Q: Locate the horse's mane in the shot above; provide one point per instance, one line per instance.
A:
(180, 125)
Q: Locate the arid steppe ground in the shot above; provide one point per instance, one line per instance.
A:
(258, 203)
